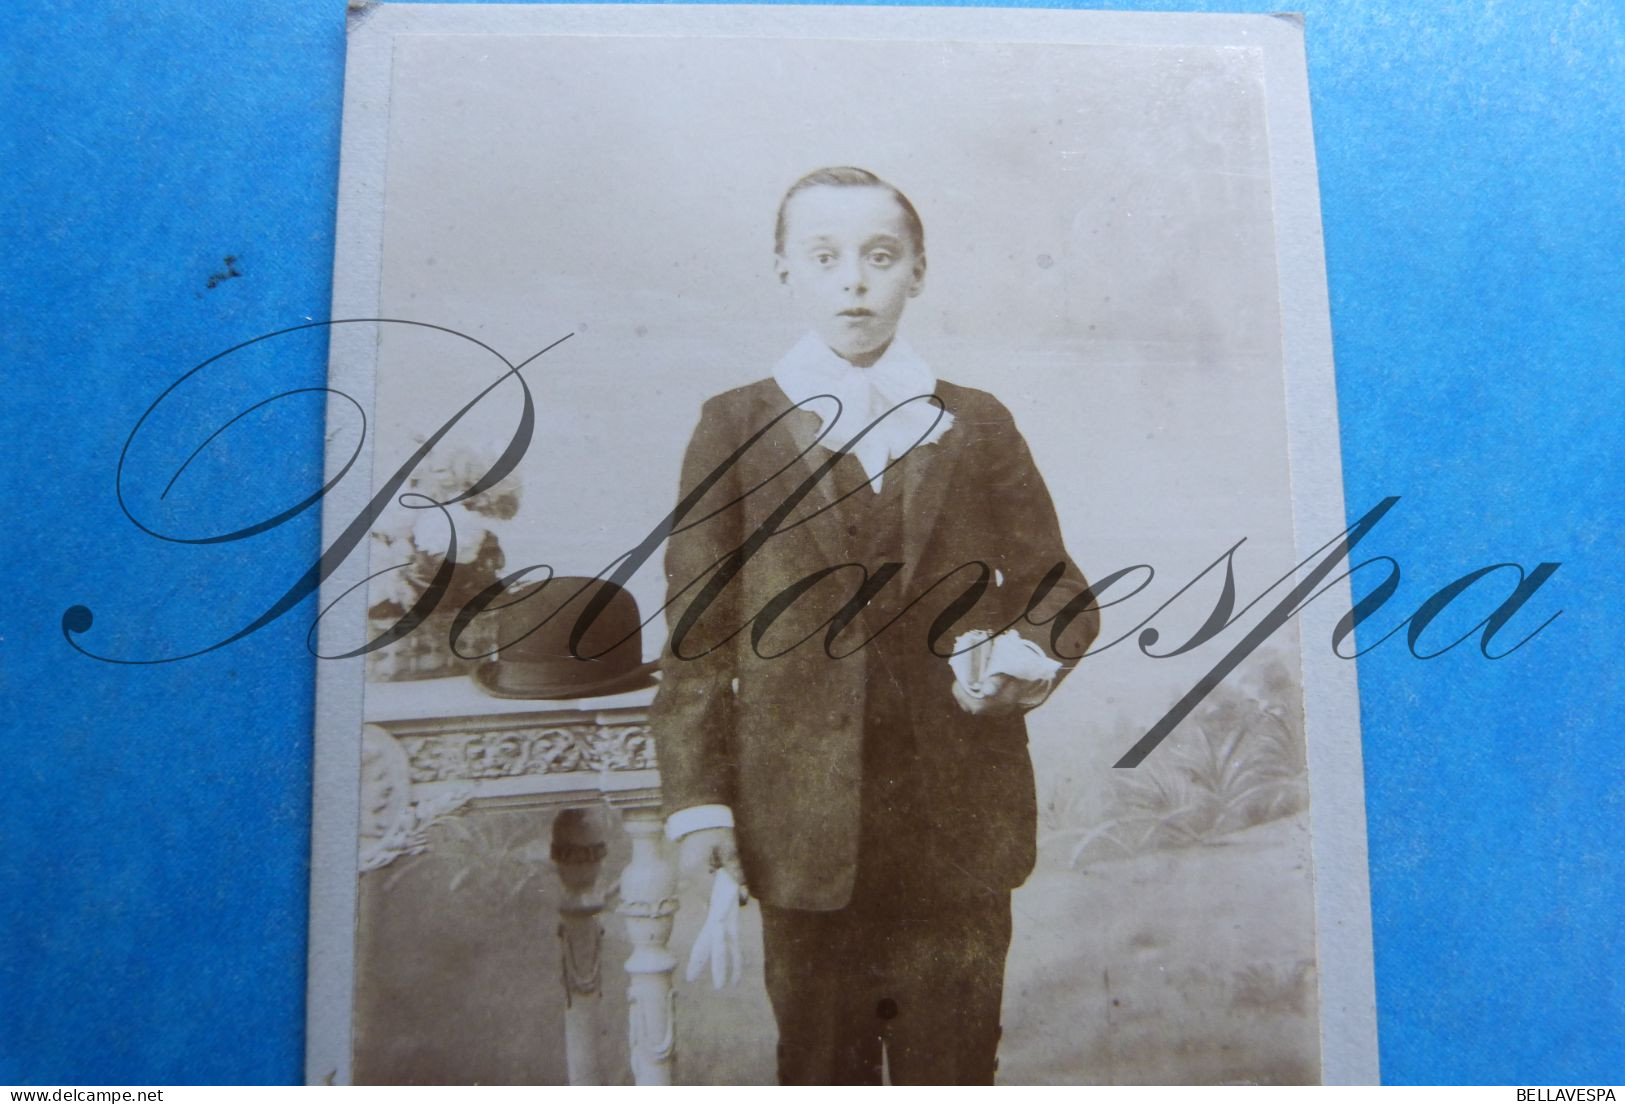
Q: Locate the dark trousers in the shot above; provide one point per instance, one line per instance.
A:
(914, 963)
(928, 986)
(913, 967)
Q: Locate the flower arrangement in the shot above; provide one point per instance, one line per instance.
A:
(415, 546)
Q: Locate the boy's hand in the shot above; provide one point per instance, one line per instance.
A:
(712, 849)
(1000, 676)
(1002, 695)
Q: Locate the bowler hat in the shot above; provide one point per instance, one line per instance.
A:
(534, 623)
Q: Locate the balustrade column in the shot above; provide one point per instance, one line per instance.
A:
(578, 856)
(649, 902)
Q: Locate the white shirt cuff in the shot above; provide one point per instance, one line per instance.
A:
(1025, 660)
(979, 656)
(696, 817)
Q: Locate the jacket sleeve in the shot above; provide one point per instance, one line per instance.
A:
(693, 713)
(1065, 621)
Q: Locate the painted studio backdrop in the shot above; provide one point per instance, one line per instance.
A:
(1101, 257)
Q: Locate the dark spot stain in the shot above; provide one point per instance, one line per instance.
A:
(886, 1009)
(231, 272)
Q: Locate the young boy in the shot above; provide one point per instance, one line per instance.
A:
(815, 739)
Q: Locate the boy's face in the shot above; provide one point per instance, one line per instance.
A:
(851, 265)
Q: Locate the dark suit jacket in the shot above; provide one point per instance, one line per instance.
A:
(775, 729)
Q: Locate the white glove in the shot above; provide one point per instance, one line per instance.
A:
(718, 940)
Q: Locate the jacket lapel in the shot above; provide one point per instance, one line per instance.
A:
(928, 472)
(796, 433)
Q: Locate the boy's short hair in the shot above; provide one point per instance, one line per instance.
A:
(847, 176)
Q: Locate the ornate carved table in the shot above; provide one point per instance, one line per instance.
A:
(435, 746)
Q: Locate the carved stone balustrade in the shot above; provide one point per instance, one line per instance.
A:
(432, 747)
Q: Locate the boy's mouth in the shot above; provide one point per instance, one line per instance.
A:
(856, 312)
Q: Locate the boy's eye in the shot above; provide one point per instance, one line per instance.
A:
(881, 257)
(824, 258)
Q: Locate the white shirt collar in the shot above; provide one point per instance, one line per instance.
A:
(811, 369)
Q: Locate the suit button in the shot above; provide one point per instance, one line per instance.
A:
(851, 530)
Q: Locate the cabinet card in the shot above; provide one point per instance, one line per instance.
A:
(888, 454)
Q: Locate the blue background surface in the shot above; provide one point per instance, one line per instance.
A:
(154, 829)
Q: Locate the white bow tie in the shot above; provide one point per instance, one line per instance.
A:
(866, 395)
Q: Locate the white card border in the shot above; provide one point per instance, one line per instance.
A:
(1348, 1024)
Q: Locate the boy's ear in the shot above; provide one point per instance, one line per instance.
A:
(919, 278)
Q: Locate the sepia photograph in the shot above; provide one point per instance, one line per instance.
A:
(644, 543)
(829, 476)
